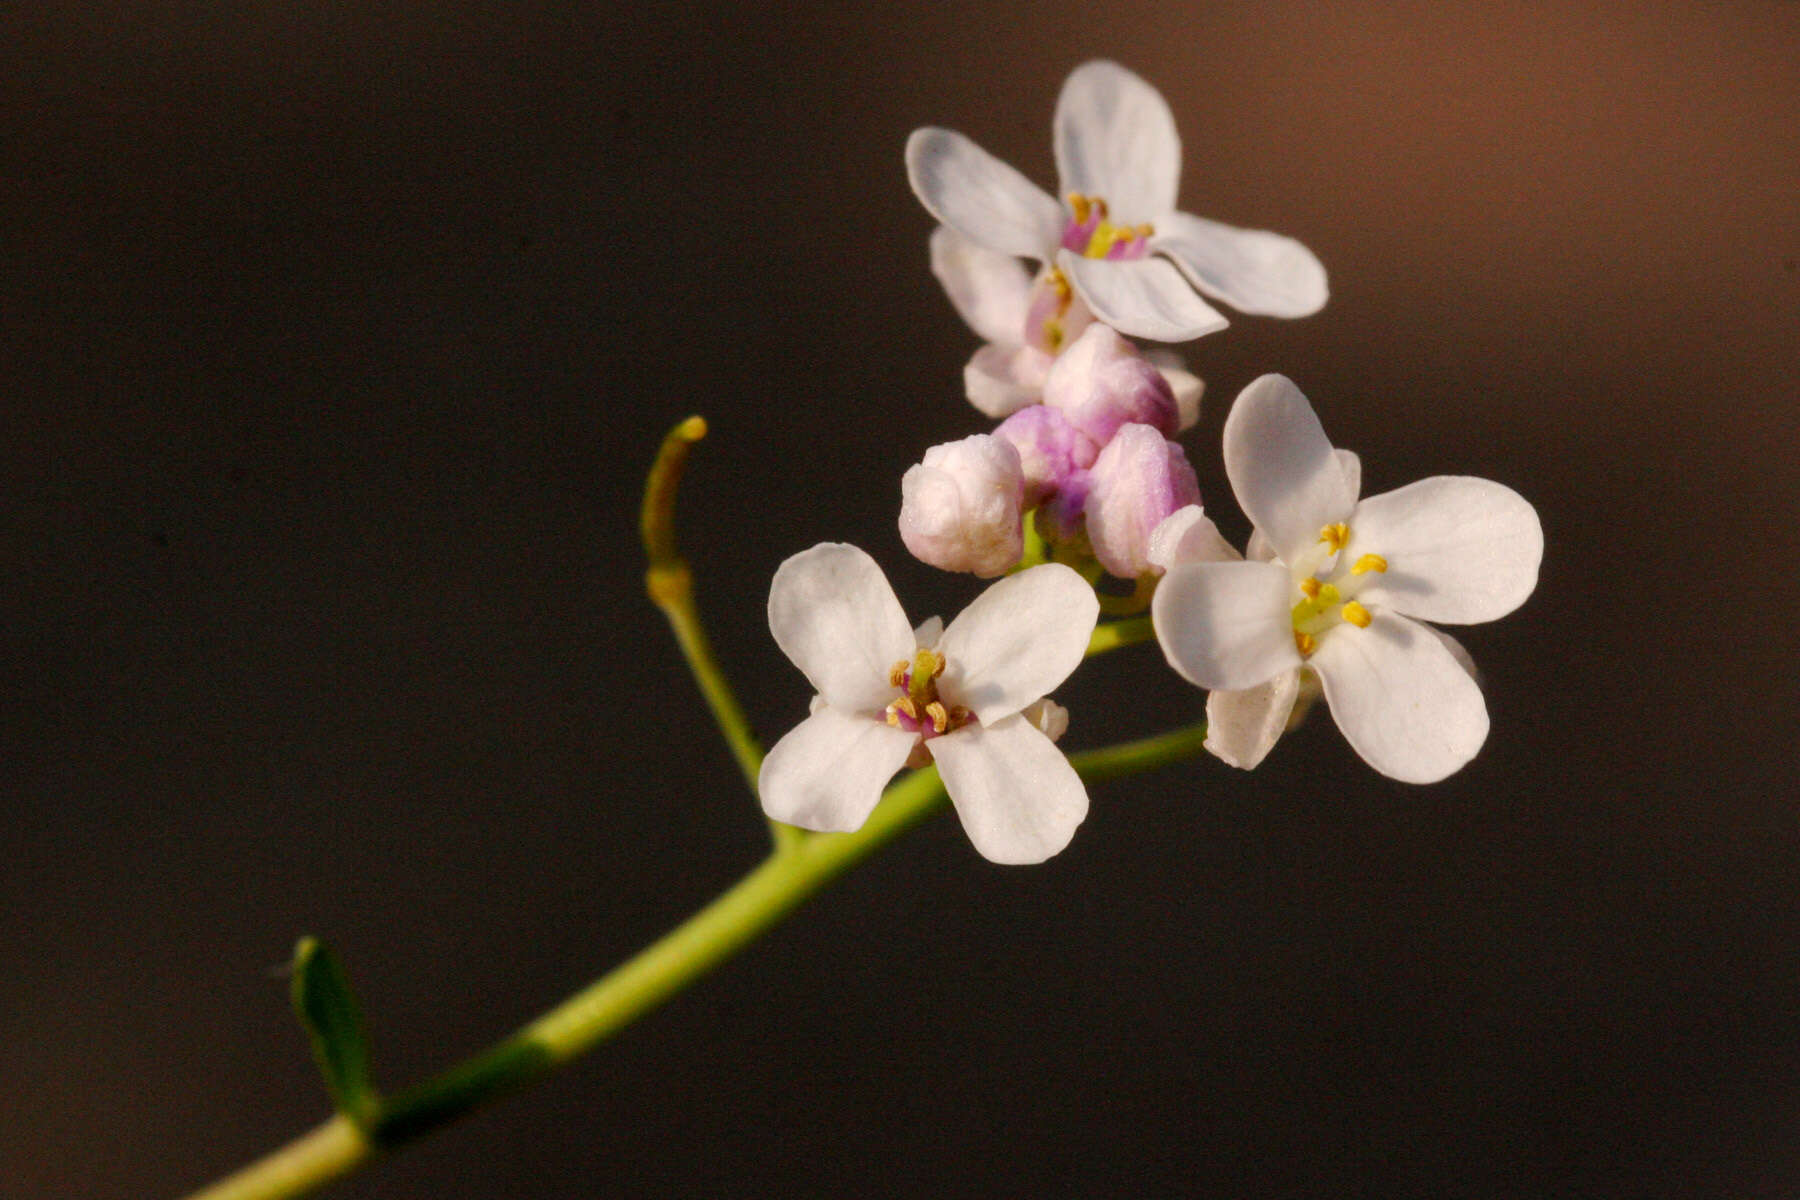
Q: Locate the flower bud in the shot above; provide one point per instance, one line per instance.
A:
(960, 507)
(1138, 481)
(1050, 450)
(1101, 382)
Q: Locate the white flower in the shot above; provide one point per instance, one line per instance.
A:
(1119, 242)
(1344, 594)
(964, 697)
(1027, 324)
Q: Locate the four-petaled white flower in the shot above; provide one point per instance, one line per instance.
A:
(1119, 243)
(963, 696)
(1346, 590)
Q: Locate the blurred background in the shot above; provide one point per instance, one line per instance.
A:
(334, 342)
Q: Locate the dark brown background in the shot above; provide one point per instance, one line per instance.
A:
(334, 340)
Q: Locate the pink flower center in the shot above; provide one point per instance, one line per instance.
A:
(1092, 235)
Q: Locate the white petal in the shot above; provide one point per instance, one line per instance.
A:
(1226, 625)
(1242, 726)
(828, 772)
(1047, 717)
(981, 197)
(1351, 465)
(1018, 797)
(1001, 379)
(1458, 549)
(991, 291)
(1187, 388)
(1252, 270)
(832, 612)
(1403, 701)
(1287, 480)
(927, 632)
(1116, 139)
(1145, 298)
(1188, 535)
(1017, 641)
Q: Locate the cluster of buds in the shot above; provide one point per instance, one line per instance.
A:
(1093, 464)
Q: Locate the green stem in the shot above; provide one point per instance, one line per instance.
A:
(1114, 634)
(670, 583)
(749, 908)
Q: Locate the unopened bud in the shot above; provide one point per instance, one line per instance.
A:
(1050, 450)
(1101, 382)
(960, 507)
(1138, 481)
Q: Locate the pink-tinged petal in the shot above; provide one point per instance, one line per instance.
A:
(1187, 536)
(1017, 641)
(828, 772)
(989, 290)
(1254, 271)
(1287, 480)
(981, 197)
(1226, 625)
(1401, 698)
(1002, 379)
(960, 507)
(1018, 797)
(1102, 381)
(1458, 549)
(1051, 451)
(1147, 298)
(1116, 139)
(832, 612)
(1243, 726)
(1138, 481)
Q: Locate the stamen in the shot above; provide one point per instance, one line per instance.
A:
(1335, 536)
(903, 707)
(1357, 615)
(1369, 562)
(940, 717)
(897, 674)
(1078, 204)
(1060, 283)
(1303, 642)
(1309, 587)
(1146, 230)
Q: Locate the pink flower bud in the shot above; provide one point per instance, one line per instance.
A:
(960, 508)
(1101, 382)
(1138, 480)
(1050, 450)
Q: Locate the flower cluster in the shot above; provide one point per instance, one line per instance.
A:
(1082, 477)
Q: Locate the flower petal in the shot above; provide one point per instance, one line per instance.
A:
(1017, 641)
(1188, 535)
(1116, 139)
(1403, 701)
(1458, 549)
(1242, 726)
(1252, 270)
(991, 291)
(1226, 625)
(1287, 480)
(1145, 298)
(828, 772)
(1001, 379)
(1187, 387)
(1018, 797)
(927, 632)
(832, 612)
(981, 197)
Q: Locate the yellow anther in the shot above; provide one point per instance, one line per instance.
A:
(1309, 587)
(940, 716)
(1303, 642)
(1369, 562)
(897, 674)
(1335, 536)
(1357, 615)
(893, 718)
(1146, 230)
(1060, 283)
(1078, 203)
(1052, 333)
(902, 707)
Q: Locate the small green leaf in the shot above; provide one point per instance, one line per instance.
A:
(327, 1007)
